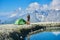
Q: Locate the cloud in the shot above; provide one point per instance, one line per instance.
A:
(12, 15)
(52, 15)
(19, 9)
(55, 4)
(32, 7)
(15, 13)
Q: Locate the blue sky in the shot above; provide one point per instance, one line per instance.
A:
(11, 5)
(8, 7)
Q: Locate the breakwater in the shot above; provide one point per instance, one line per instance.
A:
(19, 32)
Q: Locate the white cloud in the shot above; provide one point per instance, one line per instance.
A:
(5, 13)
(19, 9)
(55, 4)
(56, 33)
(13, 15)
(52, 15)
(32, 7)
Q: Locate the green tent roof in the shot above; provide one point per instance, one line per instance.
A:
(20, 22)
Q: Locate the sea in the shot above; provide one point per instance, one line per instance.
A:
(45, 36)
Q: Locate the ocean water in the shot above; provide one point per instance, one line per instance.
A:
(45, 36)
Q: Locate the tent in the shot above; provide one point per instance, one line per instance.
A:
(20, 22)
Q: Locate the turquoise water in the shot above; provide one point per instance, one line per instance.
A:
(46, 36)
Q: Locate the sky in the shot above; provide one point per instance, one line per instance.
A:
(11, 5)
(11, 8)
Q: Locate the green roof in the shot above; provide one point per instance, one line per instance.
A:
(20, 22)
